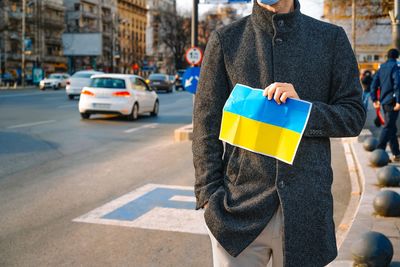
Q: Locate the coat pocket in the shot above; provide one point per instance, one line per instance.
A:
(233, 164)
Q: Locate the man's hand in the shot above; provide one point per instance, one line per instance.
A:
(377, 104)
(280, 92)
(397, 107)
(205, 205)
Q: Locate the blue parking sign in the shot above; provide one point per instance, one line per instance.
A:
(191, 79)
(152, 206)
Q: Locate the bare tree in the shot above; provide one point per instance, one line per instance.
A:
(175, 34)
(213, 20)
(369, 12)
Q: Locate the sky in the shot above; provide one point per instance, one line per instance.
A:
(312, 8)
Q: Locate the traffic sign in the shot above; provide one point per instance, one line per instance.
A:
(191, 79)
(194, 56)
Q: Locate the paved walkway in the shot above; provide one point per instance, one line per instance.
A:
(365, 219)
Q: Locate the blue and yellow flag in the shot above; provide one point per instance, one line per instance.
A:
(253, 122)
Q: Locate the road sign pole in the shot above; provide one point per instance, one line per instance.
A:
(195, 22)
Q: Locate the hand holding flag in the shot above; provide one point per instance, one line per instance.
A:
(252, 122)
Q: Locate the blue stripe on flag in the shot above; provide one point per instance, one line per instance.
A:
(252, 104)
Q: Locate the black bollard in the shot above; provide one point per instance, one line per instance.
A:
(370, 143)
(373, 249)
(379, 158)
(387, 203)
(389, 176)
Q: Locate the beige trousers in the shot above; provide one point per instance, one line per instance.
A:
(259, 252)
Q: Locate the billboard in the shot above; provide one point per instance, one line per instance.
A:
(82, 44)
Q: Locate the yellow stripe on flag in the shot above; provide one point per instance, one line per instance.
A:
(260, 137)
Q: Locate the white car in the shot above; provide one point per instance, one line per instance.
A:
(77, 81)
(54, 81)
(122, 94)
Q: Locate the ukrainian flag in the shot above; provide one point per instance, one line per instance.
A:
(253, 122)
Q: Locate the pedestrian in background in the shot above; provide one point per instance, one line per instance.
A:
(366, 80)
(257, 207)
(388, 80)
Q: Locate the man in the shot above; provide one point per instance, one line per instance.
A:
(255, 206)
(366, 80)
(387, 78)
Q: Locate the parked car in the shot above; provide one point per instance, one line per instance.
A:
(178, 79)
(54, 81)
(79, 80)
(121, 94)
(160, 82)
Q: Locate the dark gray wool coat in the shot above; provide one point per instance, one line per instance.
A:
(243, 188)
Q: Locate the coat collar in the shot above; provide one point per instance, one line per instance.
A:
(272, 22)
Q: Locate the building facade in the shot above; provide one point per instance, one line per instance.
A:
(132, 18)
(373, 28)
(43, 31)
(93, 16)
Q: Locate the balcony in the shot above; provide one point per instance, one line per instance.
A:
(89, 15)
(53, 40)
(17, 56)
(53, 5)
(55, 59)
(107, 34)
(93, 2)
(54, 23)
(14, 35)
(15, 15)
(107, 49)
(106, 18)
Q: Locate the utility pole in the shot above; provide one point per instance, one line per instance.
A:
(353, 26)
(195, 22)
(396, 25)
(23, 44)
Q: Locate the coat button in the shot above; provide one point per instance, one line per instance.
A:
(281, 23)
(278, 41)
(281, 185)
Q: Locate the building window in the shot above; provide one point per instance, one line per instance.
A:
(376, 58)
(77, 6)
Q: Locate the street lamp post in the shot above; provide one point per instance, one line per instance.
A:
(195, 22)
(353, 25)
(23, 44)
(396, 24)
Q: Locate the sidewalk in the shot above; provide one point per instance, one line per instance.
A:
(365, 218)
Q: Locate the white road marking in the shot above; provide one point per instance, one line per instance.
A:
(152, 126)
(161, 214)
(183, 198)
(30, 124)
(345, 263)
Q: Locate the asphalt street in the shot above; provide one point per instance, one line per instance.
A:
(56, 167)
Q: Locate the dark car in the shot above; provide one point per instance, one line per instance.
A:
(160, 82)
(178, 79)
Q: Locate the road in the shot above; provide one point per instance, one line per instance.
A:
(56, 167)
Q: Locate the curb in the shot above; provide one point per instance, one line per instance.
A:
(184, 133)
(357, 181)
